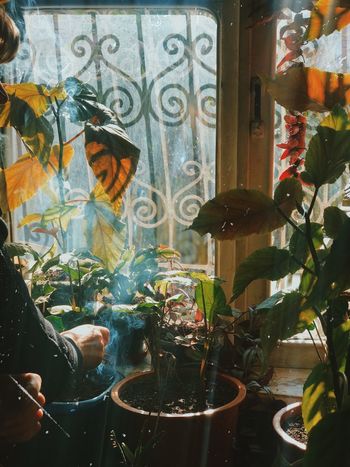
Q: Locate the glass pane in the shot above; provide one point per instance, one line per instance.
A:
(156, 68)
(329, 53)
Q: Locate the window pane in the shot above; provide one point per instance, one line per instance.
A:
(156, 68)
(329, 53)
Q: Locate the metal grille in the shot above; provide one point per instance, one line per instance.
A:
(156, 68)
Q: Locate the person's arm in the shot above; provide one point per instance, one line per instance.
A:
(29, 343)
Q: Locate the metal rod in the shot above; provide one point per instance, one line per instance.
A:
(35, 402)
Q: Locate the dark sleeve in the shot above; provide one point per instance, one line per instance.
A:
(28, 342)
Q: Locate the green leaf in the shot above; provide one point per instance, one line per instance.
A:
(14, 249)
(327, 154)
(335, 275)
(211, 299)
(238, 213)
(318, 396)
(281, 321)
(308, 280)
(298, 244)
(81, 100)
(270, 301)
(334, 219)
(41, 292)
(341, 338)
(57, 322)
(268, 263)
(328, 442)
(61, 214)
(105, 233)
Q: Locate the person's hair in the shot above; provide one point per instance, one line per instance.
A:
(9, 37)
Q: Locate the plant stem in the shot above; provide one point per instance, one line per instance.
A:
(309, 235)
(315, 346)
(290, 222)
(60, 175)
(332, 357)
(301, 264)
(74, 137)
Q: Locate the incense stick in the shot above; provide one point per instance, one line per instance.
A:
(23, 389)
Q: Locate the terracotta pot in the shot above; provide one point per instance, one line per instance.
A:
(291, 449)
(202, 439)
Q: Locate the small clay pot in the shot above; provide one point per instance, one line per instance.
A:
(291, 449)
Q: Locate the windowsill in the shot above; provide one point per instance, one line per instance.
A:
(287, 383)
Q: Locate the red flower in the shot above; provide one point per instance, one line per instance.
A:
(295, 145)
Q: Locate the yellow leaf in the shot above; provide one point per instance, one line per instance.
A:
(32, 94)
(29, 219)
(22, 180)
(100, 195)
(5, 114)
(58, 92)
(105, 233)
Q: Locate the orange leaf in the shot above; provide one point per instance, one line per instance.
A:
(114, 174)
(328, 16)
(301, 88)
(112, 156)
(22, 180)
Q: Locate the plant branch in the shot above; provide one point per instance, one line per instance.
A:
(290, 222)
(301, 264)
(74, 137)
(309, 235)
(315, 346)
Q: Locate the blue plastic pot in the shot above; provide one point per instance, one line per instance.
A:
(86, 423)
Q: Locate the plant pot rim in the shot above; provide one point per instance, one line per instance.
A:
(280, 417)
(241, 393)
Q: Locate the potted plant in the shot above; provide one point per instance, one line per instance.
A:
(180, 406)
(318, 249)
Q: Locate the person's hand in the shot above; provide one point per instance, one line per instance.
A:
(91, 341)
(19, 416)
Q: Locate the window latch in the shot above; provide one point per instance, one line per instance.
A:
(256, 123)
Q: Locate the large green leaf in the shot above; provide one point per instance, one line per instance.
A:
(335, 275)
(21, 249)
(298, 244)
(341, 339)
(328, 443)
(334, 219)
(81, 102)
(211, 299)
(281, 321)
(105, 233)
(238, 213)
(327, 154)
(318, 396)
(268, 263)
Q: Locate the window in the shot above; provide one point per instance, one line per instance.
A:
(157, 69)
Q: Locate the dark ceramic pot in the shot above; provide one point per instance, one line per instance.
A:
(290, 449)
(202, 439)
